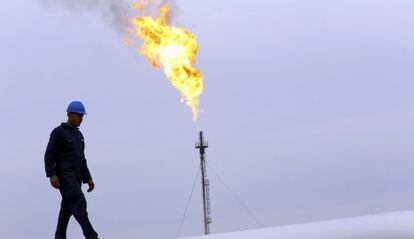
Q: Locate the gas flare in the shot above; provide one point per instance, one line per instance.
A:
(174, 50)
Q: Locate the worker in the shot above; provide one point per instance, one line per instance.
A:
(66, 167)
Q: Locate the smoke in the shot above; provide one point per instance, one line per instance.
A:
(116, 13)
(113, 12)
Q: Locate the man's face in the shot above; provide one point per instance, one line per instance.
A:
(75, 119)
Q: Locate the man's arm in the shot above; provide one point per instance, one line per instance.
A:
(50, 154)
(86, 176)
(50, 159)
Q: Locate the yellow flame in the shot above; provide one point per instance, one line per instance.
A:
(140, 5)
(174, 49)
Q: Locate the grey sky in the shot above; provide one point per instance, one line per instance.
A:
(308, 109)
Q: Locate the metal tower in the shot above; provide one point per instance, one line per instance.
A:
(202, 145)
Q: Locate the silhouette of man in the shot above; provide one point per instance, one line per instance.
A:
(66, 166)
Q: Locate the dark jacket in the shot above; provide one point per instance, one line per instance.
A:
(65, 154)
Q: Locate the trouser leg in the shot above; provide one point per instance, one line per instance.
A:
(63, 220)
(76, 202)
(81, 215)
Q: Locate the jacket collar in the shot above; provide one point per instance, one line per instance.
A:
(65, 125)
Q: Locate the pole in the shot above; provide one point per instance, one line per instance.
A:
(202, 145)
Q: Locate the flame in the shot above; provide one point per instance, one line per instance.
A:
(174, 50)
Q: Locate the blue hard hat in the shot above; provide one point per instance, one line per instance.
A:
(76, 107)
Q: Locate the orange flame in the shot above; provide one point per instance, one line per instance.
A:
(174, 49)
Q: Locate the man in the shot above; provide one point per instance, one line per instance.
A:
(66, 166)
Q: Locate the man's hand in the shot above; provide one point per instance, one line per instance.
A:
(91, 185)
(54, 181)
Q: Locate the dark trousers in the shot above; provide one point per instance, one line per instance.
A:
(73, 203)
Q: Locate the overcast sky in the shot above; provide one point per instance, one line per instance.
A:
(308, 109)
